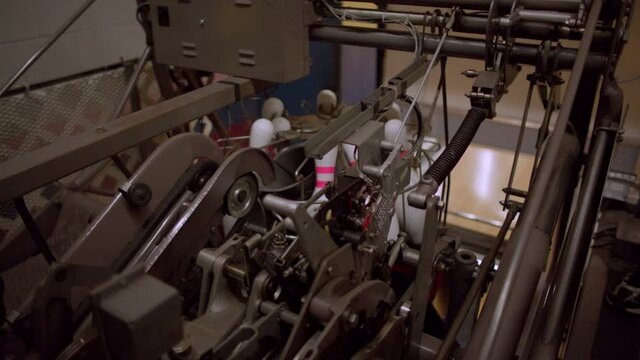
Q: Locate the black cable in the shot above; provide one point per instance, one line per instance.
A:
(417, 111)
(34, 231)
(445, 116)
(121, 166)
(457, 147)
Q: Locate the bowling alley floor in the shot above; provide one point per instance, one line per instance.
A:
(477, 183)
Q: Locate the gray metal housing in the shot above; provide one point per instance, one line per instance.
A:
(221, 36)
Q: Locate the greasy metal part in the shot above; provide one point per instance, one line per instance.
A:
(344, 311)
(169, 261)
(475, 289)
(461, 280)
(453, 46)
(108, 234)
(564, 283)
(159, 232)
(220, 311)
(553, 5)
(486, 91)
(315, 241)
(242, 196)
(30, 171)
(424, 277)
(253, 341)
(340, 263)
(43, 49)
(285, 315)
(381, 98)
(51, 306)
(31, 226)
(385, 344)
(505, 311)
(410, 256)
(199, 171)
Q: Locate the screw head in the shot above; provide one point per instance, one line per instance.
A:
(138, 194)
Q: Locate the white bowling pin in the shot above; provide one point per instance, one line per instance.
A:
(394, 228)
(262, 131)
(414, 222)
(350, 151)
(391, 130)
(394, 112)
(326, 169)
(327, 102)
(272, 108)
(281, 124)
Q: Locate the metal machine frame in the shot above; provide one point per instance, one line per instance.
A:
(508, 323)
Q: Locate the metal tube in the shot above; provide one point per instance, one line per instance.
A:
(551, 5)
(547, 16)
(540, 30)
(496, 333)
(32, 60)
(132, 82)
(564, 284)
(477, 285)
(453, 46)
(516, 154)
(502, 320)
(32, 227)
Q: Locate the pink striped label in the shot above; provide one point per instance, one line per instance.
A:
(325, 169)
(321, 184)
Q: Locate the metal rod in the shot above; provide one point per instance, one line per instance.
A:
(540, 25)
(503, 317)
(564, 283)
(552, 5)
(547, 16)
(34, 231)
(32, 60)
(516, 154)
(434, 58)
(424, 276)
(542, 132)
(131, 85)
(132, 82)
(453, 46)
(121, 166)
(477, 285)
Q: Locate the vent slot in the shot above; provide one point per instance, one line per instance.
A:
(189, 49)
(247, 57)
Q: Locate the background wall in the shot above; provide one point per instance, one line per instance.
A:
(105, 35)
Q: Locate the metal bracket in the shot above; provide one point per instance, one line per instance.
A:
(424, 277)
